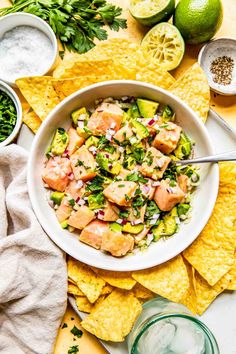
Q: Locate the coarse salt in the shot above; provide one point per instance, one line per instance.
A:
(24, 51)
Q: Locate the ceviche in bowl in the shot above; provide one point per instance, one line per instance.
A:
(103, 179)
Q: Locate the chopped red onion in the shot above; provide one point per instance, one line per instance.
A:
(124, 221)
(121, 149)
(119, 221)
(100, 110)
(155, 117)
(79, 184)
(113, 124)
(170, 190)
(81, 202)
(136, 222)
(80, 124)
(93, 149)
(107, 156)
(110, 166)
(51, 204)
(71, 176)
(108, 136)
(77, 200)
(155, 184)
(151, 122)
(111, 131)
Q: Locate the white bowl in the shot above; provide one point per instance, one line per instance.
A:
(11, 21)
(11, 93)
(162, 251)
(212, 50)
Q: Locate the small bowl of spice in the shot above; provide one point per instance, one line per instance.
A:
(10, 114)
(28, 47)
(218, 59)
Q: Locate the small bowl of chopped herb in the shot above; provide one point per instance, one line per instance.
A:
(10, 114)
(218, 59)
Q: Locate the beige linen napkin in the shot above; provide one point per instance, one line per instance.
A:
(32, 268)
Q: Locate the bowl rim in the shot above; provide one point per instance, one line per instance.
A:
(11, 93)
(52, 38)
(201, 56)
(33, 198)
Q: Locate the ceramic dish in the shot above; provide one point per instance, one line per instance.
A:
(218, 48)
(11, 93)
(203, 200)
(8, 22)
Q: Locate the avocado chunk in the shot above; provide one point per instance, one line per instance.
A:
(184, 147)
(183, 209)
(107, 165)
(170, 222)
(59, 142)
(158, 231)
(133, 229)
(115, 227)
(79, 114)
(129, 163)
(168, 114)
(96, 201)
(147, 108)
(64, 224)
(84, 132)
(91, 141)
(133, 111)
(140, 130)
(57, 197)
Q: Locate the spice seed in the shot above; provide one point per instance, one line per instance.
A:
(222, 69)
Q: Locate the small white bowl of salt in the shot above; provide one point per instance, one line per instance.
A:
(28, 47)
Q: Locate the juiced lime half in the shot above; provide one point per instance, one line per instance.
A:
(150, 12)
(165, 43)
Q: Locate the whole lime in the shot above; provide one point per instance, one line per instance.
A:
(198, 20)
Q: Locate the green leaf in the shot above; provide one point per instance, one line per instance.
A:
(77, 332)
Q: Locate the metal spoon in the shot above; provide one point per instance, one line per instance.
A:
(226, 156)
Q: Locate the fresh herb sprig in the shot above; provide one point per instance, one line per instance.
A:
(8, 116)
(77, 23)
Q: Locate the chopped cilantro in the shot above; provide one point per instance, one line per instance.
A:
(138, 191)
(72, 202)
(138, 154)
(152, 209)
(77, 332)
(135, 177)
(73, 349)
(95, 185)
(96, 201)
(127, 198)
(121, 185)
(64, 325)
(124, 214)
(172, 183)
(149, 158)
(79, 163)
(138, 201)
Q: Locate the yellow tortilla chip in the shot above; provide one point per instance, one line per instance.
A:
(65, 87)
(206, 294)
(107, 289)
(189, 299)
(74, 290)
(113, 318)
(86, 280)
(169, 279)
(85, 306)
(232, 272)
(193, 89)
(228, 176)
(32, 121)
(122, 280)
(142, 293)
(39, 93)
(153, 74)
(212, 254)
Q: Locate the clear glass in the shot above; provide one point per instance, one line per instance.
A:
(165, 327)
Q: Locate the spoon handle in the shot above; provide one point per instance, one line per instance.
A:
(226, 156)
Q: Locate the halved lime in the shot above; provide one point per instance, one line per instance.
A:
(150, 12)
(165, 43)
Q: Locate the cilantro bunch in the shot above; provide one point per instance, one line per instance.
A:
(77, 23)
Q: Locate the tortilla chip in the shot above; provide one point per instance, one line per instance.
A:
(193, 89)
(85, 306)
(153, 74)
(206, 294)
(86, 280)
(39, 93)
(107, 289)
(228, 176)
(142, 293)
(74, 290)
(114, 318)
(212, 254)
(232, 272)
(169, 279)
(122, 280)
(32, 121)
(189, 299)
